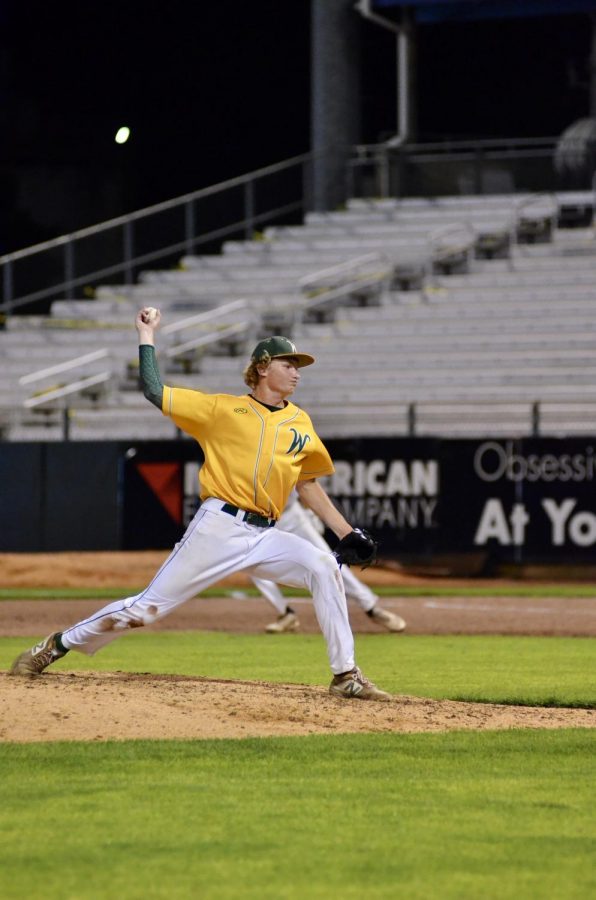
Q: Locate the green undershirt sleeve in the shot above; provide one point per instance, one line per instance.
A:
(149, 375)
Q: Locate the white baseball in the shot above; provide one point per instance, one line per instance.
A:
(150, 314)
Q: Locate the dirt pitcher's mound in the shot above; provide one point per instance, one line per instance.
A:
(98, 707)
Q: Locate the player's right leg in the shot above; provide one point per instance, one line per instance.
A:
(34, 660)
(287, 620)
(213, 547)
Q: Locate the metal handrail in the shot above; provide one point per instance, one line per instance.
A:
(536, 200)
(184, 245)
(155, 208)
(340, 269)
(456, 228)
(65, 367)
(450, 146)
(82, 384)
(129, 261)
(208, 316)
(205, 339)
(382, 156)
(534, 411)
(343, 290)
(441, 251)
(75, 387)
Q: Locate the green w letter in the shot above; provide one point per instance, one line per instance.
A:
(298, 442)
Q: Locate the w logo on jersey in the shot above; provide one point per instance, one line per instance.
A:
(298, 443)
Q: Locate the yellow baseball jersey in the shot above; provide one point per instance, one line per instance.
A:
(253, 457)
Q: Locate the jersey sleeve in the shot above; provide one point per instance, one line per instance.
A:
(150, 375)
(317, 462)
(190, 410)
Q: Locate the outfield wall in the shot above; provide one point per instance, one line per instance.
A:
(505, 501)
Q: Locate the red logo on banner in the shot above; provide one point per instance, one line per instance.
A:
(164, 480)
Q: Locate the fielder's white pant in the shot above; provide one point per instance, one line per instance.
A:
(214, 546)
(298, 520)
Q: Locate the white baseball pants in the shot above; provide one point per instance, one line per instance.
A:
(215, 545)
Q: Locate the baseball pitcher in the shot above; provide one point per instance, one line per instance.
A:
(257, 446)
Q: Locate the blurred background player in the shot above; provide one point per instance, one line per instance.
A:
(301, 521)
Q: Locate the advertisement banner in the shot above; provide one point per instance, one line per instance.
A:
(504, 500)
(512, 500)
(390, 487)
(508, 500)
(531, 499)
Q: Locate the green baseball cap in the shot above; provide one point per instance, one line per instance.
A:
(277, 347)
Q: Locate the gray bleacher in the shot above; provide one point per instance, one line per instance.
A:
(470, 352)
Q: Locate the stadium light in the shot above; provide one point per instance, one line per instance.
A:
(122, 135)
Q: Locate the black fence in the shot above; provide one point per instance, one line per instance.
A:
(503, 501)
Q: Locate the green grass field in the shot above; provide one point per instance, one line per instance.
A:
(518, 589)
(507, 815)
(458, 815)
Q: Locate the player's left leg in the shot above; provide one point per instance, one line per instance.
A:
(290, 560)
(358, 591)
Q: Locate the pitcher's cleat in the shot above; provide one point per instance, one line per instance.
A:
(356, 686)
(387, 619)
(287, 622)
(32, 662)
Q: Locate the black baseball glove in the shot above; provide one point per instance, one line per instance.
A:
(358, 548)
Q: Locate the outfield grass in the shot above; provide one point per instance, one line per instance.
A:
(460, 815)
(489, 589)
(536, 671)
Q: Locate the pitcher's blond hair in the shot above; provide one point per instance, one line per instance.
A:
(251, 373)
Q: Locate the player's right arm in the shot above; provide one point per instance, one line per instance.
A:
(149, 374)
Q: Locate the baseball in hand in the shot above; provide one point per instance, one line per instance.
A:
(150, 315)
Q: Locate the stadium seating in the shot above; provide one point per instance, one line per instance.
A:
(481, 343)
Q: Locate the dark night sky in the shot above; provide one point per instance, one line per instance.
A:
(216, 89)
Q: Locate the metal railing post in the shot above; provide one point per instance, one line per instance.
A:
(383, 172)
(399, 165)
(66, 423)
(249, 209)
(536, 419)
(189, 225)
(307, 185)
(478, 168)
(128, 239)
(350, 179)
(412, 419)
(7, 283)
(69, 273)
